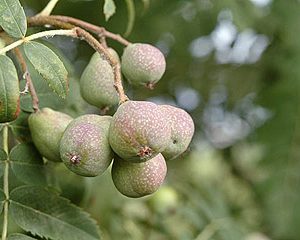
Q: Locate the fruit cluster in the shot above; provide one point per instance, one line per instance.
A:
(137, 138)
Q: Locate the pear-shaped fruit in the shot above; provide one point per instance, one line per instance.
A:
(47, 127)
(143, 64)
(84, 147)
(182, 131)
(102, 121)
(97, 82)
(139, 179)
(9, 90)
(139, 131)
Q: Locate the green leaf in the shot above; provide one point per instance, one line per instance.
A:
(9, 90)
(3, 157)
(45, 214)
(46, 99)
(48, 64)
(109, 9)
(12, 18)
(19, 236)
(20, 128)
(2, 199)
(131, 17)
(27, 164)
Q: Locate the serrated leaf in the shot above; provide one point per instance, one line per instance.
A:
(12, 18)
(131, 17)
(2, 199)
(19, 236)
(9, 90)
(109, 9)
(27, 164)
(48, 64)
(45, 214)
(3, 157)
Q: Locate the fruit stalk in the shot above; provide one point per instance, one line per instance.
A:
(93, 42)
(34, 97)
(84, 35)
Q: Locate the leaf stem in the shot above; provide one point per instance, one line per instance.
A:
(29, 83)
(131, 16)
(5, 183)
(49, 33)
(49, 8)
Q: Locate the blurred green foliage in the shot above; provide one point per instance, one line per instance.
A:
(233, 64)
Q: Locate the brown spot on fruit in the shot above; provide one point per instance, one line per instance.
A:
(84, 146)
(182, 131)
(74, 159)
(145, 152)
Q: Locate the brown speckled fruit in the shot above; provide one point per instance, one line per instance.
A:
(139, 130)
(97, 82)
(102, 121)
(139, 179)
(182, 131)
(143, 64)
(47, 127)
(84, 147)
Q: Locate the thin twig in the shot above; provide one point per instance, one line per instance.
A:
(93, 42)
(29, 83)
(48, 21)
(57, 20)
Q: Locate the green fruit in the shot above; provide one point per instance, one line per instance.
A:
(143, 64)
(84, 147)
(9, 90)
(47, 127)
(97, 82)
(139, 179)
(182, 131)
(102, 121)
(139, 131)
(165, 200)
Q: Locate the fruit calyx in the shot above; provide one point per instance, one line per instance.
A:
(74, 158)
(150, 85)
(145, 152)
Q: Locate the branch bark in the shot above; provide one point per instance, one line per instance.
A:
(67, 22)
